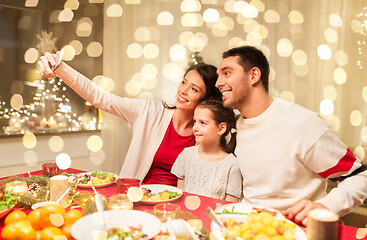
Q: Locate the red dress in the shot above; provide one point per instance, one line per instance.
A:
(171, 146)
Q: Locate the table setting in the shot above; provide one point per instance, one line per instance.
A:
(76, 204)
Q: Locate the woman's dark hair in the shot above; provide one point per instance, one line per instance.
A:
(209, 74)
(251, 57)
(225, 115)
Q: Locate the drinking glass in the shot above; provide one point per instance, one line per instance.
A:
(166, 211)
(123, 184)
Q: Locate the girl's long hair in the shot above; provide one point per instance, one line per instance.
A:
(225, 115)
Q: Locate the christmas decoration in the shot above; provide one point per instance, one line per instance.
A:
(195, 59)
(47, 42)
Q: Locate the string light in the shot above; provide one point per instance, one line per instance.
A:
(361, 43)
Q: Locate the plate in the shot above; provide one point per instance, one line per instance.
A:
(83, 227)
(247, 208)
(5, 212)
(73, 177)
(156, 188)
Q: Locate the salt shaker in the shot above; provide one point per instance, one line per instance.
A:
(322, 224)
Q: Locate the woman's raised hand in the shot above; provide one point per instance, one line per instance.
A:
(46, 65)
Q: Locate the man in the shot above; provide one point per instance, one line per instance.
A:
(285, 151)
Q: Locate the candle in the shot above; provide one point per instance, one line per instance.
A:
(16, 187)
(322, 224)
(58, 185)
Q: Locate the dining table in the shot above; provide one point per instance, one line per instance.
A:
(198, 211)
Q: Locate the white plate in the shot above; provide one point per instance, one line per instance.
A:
(82, 228)
(157, 188)
(73, 177)
(247, 208)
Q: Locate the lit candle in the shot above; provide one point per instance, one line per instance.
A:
(58, 185)
(322, 224)
(17, 187)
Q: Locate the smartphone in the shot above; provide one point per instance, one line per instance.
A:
(58, 58)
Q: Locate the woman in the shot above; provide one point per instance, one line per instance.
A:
(160, 132)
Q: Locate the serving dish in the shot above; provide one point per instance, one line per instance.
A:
(86, 226)
(76, 178)
(240, 211)
(158, 188)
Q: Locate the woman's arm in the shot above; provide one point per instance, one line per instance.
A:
(125, 108)
(231, 198)
(181, 184)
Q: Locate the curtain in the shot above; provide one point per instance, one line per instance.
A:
(315, 49)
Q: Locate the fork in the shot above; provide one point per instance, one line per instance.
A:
(214, 217)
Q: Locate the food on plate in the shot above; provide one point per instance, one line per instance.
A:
(95, 178)
(6, 200)
(261, 225)
(161, 196)
(126, 232)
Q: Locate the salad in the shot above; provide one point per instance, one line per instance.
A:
(126, 232)
(7, 200)
(161, 196)
(95, 178)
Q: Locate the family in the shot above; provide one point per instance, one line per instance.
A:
(275, 153)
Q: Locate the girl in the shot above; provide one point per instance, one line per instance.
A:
(210, 168)
(160, 132)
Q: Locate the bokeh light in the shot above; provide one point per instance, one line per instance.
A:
(360, 154)
(173, 72)
(134, 50)
(31, 55)
(94, 143)
(66, 15)
(69, 53)
(63, 161)
(114, 10)
(330, 93)
(97, 158)
(271, 16)
(249, 11)
(192, 202)
(295, 17)
(192, 20)
(340, 76)
(356, 118)
(151, 51)
(29, 140)
(165, 18)
(299, 57)
(284, 47)
(335, 20)
(341, 58)
(326, 107)
(190, 6)
(94, 49)
(56, 144)
(177, 52)
(30, 158)
(211, 15)
(16, 101)
(77, 45)
(142, 34)
(324, 52)
(331, 35)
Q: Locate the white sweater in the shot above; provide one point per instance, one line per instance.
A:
(286, 154)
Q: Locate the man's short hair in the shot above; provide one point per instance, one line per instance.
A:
(251, 57)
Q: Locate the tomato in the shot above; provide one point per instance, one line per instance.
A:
(35, 219)
(46, 211)
(48, 233)
(15, 216)
(71, 216)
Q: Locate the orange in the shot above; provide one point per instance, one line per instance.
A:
(71, 216)
(67, 231)
(10, 231)
(35, 218)
(15, 216)
(48, 233)
(46, 211)
(26, 232)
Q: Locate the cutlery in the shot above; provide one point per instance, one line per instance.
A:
(214, 217)
(100, 208)
(67, 190)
